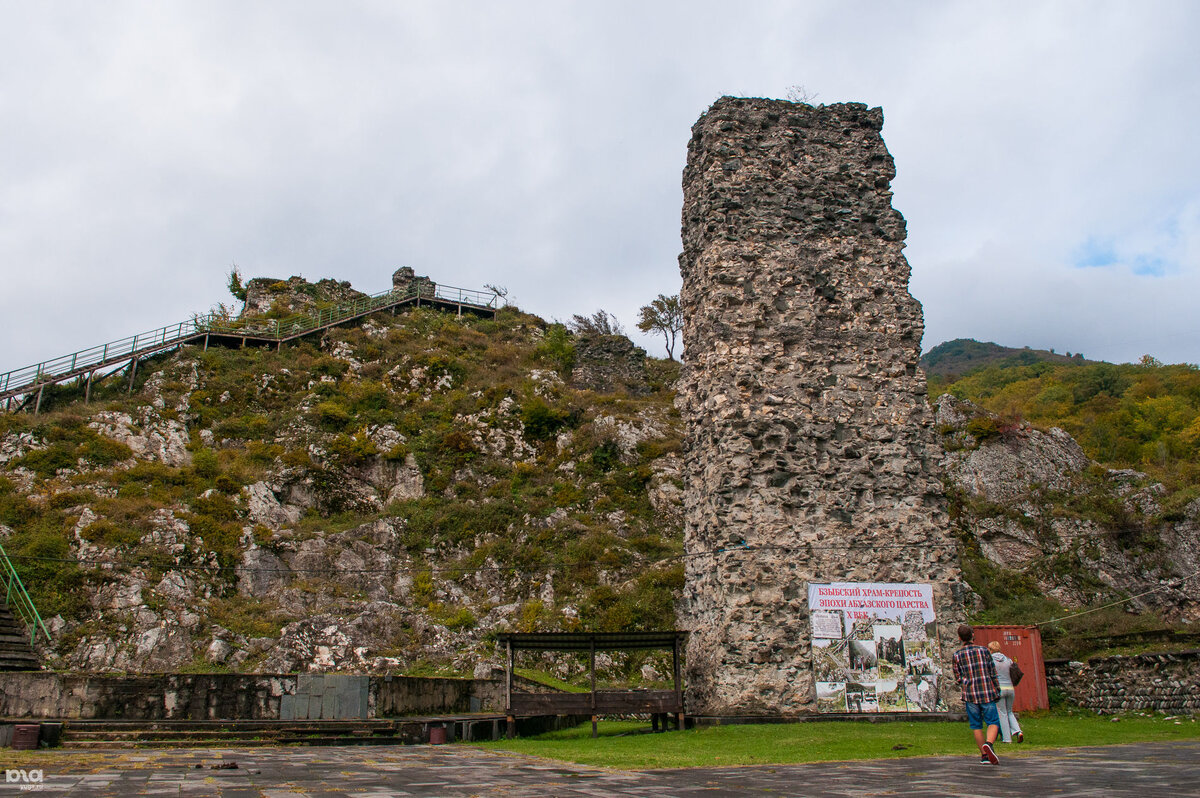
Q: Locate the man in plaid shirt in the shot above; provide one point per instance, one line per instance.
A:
(975, 672)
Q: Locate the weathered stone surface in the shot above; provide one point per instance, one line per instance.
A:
(162, 439)
(42, 694)
(405, 279)
(1004, 473)
(1035, 503)
(294, 295)
(808, 433)
(609, 363)
(1165, 682)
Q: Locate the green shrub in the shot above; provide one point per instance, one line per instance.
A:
(333, 416)
(105, 533)
(542, 422)
(245, 427)
(462, 618)
(558, 349)
(605, 456)
(227, 484)
(983, 428)
(101, 451)
(247, 616)
(47, 462)
(353, 450)
(326, 366)
(205, 463)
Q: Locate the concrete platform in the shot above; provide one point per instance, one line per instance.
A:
(1144, 770)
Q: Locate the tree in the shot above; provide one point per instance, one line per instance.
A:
(235, 284)
(664, 315)
(599, 323)
(800, 94)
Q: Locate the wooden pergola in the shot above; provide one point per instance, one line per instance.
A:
(595, 702)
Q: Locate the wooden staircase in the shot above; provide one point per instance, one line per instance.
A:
(16, 653)
(29, 383)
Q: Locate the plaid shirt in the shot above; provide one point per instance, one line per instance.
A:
(975, 673)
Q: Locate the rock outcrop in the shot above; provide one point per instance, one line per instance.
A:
(810, 451)
(606, 363)
(1035, 504)
(266, 295)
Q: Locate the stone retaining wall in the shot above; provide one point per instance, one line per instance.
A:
(1157, 682)
(44, 694)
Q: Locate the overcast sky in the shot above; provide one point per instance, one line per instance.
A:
(1047, 154)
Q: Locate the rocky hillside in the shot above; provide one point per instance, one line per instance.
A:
(1044, 528)
(387, 496)
(392, 494)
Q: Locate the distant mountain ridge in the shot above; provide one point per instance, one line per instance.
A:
(963, 356)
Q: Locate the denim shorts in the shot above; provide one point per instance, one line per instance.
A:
(980, 714)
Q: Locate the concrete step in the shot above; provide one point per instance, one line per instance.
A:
(16, 654)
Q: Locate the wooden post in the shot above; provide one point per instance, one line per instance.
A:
(87, 392)
(678, 683)
(511, 726)
(132, 373)
(206, 342)
(38, 406)
(592, 671)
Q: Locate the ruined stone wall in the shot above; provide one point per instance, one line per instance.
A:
(1167, 682)
(245, 696)
(809, 439)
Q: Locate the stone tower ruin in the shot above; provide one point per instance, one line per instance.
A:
(810, 447)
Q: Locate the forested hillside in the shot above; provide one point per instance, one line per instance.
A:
(964, 356)
(1144, 416)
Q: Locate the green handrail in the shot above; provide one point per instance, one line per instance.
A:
(13, 588)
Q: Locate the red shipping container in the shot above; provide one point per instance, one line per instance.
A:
(1023, 645)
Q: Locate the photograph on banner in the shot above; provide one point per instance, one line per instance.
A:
(861, 698)
(892, 697)
(831, 662)
(878, 641)
(831, 696)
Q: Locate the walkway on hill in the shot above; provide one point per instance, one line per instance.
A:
(1141, 770)
(29, 383)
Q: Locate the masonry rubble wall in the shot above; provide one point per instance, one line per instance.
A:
(1167, 682)
(46, 694)
(810, 448)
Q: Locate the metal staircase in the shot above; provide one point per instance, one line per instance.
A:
(28, 384)
(17, 631)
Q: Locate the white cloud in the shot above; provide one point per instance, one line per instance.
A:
(146, 146)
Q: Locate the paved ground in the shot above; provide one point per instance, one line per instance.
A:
(1145, 770)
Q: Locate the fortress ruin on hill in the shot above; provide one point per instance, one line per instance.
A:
(810, 447)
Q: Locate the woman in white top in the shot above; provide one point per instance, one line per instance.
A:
(1009, 727)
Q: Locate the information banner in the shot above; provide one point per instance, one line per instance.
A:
(874, 647)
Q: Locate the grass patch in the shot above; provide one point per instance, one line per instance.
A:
(541, 677)
(623, 744)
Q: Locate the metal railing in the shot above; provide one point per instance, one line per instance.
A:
(17, 597)
(253, 328)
